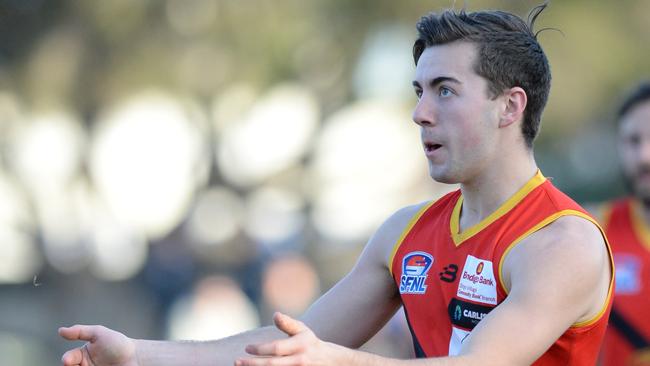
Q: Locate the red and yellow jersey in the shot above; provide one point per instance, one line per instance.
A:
(630, 238)
(449, 280)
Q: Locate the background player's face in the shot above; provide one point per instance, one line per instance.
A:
(634, 149)
(457, 119)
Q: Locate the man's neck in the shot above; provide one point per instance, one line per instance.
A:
(488, 191)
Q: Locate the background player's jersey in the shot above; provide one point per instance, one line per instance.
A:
(450, 280)
(629, 327)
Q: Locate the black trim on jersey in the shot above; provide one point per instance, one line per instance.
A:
(627, 330)
(419, 352)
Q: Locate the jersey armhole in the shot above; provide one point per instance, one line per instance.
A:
(546, 222)
(414, 219)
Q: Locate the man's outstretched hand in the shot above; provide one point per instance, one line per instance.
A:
(301, 348)
(104, 347)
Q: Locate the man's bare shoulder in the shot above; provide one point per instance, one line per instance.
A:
(402, 217)
(572, 257)
(569, 240)
(575, 234)
(390, 231)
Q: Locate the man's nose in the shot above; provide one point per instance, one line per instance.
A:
(423, 113)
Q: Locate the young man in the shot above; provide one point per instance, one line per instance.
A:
(627, 224)
(505, 271)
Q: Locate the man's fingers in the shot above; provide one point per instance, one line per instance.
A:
(288, 324)
(299, 338)
(73, 357)
(79, 333)
(281, 347)
(274, 361)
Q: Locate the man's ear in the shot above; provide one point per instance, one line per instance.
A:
(515, 103)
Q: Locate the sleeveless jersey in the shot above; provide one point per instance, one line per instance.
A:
(449, 280)
(630, 238)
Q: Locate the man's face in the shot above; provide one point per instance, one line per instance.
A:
(634, 149)
(457, 119)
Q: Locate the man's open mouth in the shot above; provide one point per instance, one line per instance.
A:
(430, 147)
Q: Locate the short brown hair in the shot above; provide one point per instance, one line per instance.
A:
(509, 54)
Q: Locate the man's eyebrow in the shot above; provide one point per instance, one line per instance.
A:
(438, 80)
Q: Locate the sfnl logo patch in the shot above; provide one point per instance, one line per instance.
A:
(415, 266)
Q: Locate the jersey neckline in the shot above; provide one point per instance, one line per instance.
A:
(459, 237)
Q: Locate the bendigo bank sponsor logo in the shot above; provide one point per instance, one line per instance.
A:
(477, 282)
(466, 314)
(415, 266)
(477, 279)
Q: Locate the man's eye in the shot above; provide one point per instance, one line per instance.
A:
(418, 93)
(445, 92)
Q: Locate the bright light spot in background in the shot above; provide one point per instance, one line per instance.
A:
(10, 114)
(385, 68)
(46, 152)
(80, 232)
(63, 234)
(274, 214)
(14, 210)
(20, 258)
(290, 285)
(145, 161)
(216, 217)
(367, 161)
(117, 253)
(217, 308)
(274, 135)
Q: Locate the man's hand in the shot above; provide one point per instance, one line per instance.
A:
(301, 348)
(104, 347)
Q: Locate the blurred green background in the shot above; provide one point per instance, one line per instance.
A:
(182, 168)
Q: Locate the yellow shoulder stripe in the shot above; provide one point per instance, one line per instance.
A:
(405, 232)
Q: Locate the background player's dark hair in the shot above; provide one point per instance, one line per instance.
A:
(639, 95)
(508, 54)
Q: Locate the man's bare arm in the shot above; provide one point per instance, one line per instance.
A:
(348, 314)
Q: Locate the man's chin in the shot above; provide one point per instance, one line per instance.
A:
(443, 176)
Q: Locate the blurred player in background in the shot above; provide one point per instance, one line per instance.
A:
(627, 224)
(507, 270)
